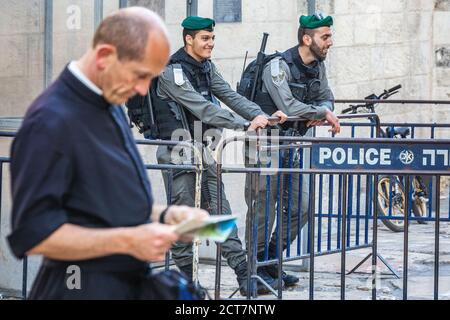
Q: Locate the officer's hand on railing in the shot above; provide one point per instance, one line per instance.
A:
(178, 214)
(313, 123)
(333, 121)
(282, 117)
(259, 122)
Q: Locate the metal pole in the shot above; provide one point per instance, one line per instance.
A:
(436, 237)
(391, 101)
(280, 236)
(344, 231)
(169, 201)
(191, 8)
(48, 43)
(372, 116)
(311, 7)
(306, 154)
(405, 239)
(251, 260)
(123, 3)
(98, 12)
(374, 237)
(312, 202)
(219, 247)
(256, 213)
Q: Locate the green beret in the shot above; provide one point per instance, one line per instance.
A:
(198, 23)
(315, 21)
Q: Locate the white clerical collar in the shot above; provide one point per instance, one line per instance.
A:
(73, 67)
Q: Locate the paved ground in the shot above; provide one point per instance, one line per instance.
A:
(358, 285)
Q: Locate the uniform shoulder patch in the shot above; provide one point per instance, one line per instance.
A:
(275, 67)
(178, 75)
(277, 73)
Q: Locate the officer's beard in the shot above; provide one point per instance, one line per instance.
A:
(317, 53)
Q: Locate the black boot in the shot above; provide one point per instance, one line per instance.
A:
(288, 279)
(241, 273)
(188, 271)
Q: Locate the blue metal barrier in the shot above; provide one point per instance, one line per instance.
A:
(344, 205)
(360, 206)
(357, 213)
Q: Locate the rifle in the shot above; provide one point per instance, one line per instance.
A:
(259, 65)
(154, 132)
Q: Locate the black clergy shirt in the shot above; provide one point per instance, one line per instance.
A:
(74, 161)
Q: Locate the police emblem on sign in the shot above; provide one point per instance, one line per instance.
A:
(406, 157)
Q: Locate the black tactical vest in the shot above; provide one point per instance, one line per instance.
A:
(169, 115)
(304, 85)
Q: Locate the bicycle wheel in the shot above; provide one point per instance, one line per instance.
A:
(391, 200)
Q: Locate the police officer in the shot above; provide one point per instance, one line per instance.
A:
(184, 97)
(294, 82)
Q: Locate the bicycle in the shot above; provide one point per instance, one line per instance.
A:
(391, 189)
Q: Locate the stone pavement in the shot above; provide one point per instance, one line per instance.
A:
(358, 285)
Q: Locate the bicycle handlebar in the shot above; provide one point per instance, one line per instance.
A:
(370, 105)
(394, 88)
(347, 110)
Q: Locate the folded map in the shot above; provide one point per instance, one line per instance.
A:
(215, 228)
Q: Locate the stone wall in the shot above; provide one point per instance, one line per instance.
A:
(382, 43)
(21, 36)
(377, 44)
(441, 56)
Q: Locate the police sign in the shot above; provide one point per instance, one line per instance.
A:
(388, 156)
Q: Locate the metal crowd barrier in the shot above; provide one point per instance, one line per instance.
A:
(344, 215)
(346, 212)
(331, 246)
